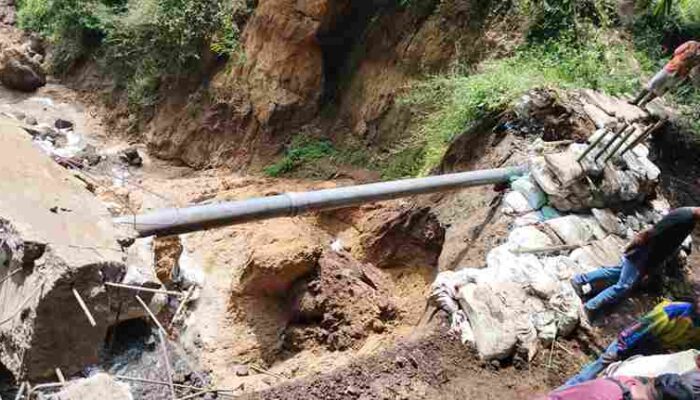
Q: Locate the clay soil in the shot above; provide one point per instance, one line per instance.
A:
(434, 366)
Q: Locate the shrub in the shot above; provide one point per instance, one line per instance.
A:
(138, 42)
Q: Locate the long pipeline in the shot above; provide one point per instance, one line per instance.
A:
(202, 217)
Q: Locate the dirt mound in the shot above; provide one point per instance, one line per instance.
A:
(341, 304)
(436, 366)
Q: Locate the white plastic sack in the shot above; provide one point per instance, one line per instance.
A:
(516, 203)
(573, 229)
(609, 221)
(565, 167)
(601, 253)
(529, 237)
(505, 266)
(499, 316)
(536, 198)
(653, 366)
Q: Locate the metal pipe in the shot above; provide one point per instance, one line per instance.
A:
(594, 144)
(610, 143)
(622, 143)
(643, 136)
(196, 218)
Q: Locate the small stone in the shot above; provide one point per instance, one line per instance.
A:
(352, 390)
(378, 326)
(31, 121)
(401, 361)
(179, 378)
(63, 124)
(241, 370)
(131, 157)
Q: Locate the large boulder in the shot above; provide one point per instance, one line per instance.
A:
(57, 239)
(19, 71)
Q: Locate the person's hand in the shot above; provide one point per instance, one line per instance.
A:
(610, 357)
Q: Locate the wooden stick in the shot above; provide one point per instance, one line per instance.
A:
(150, 314)
(85, 308)
(181, 307)
(143, 289)
(549, 249)
(263, 371)
(551, 351)
(20, 392)
(166, 360)
(569, 352)
(60, 376)
(8, 276)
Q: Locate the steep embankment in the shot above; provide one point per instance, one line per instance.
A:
(329, 68)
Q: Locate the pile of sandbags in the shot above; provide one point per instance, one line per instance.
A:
(524, 296)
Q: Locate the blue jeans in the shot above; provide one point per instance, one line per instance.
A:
(618, 279)
(591, 371)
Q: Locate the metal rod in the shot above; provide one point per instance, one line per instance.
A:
(610, 143)
(622, 143)
(196, 218)
(593, 145)
(150, 314)
(642, 137)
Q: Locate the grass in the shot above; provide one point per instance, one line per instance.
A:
(451, 103)
(302, 151)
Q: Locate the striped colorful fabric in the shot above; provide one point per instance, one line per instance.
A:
(672, 326)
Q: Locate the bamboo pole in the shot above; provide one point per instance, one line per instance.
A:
(86, 310)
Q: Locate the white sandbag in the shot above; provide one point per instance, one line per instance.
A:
(573, 229)
(601, 253)
(529, 189)
(561, 268)
(619, 185)
(565, 167)
(653, 366)
(609, 221)
(499, 317)
(545, 178)
(515, 203)
(529, 237)
(598, 116)
(505, 266)
(530, 218)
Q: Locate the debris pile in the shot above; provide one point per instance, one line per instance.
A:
(59, 255)
(523, 296)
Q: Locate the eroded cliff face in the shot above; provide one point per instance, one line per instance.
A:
(304, 57)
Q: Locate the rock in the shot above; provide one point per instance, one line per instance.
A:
(31, 121)
(241, 370)
(63, 124)
(280, 257)
(19, 71)
(56, 252)
(400, 235)
(614, 106)
(131, 157)
(97, 387)
(167, 252)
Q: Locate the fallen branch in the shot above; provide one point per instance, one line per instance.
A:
(143, 289)
(166, 360)
(86, 310)
(569, 352)
(182, 306)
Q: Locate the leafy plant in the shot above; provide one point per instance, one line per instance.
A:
(302, 150)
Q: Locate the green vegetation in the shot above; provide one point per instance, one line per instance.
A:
(141, 43)
(303, 150)
(455, 101)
